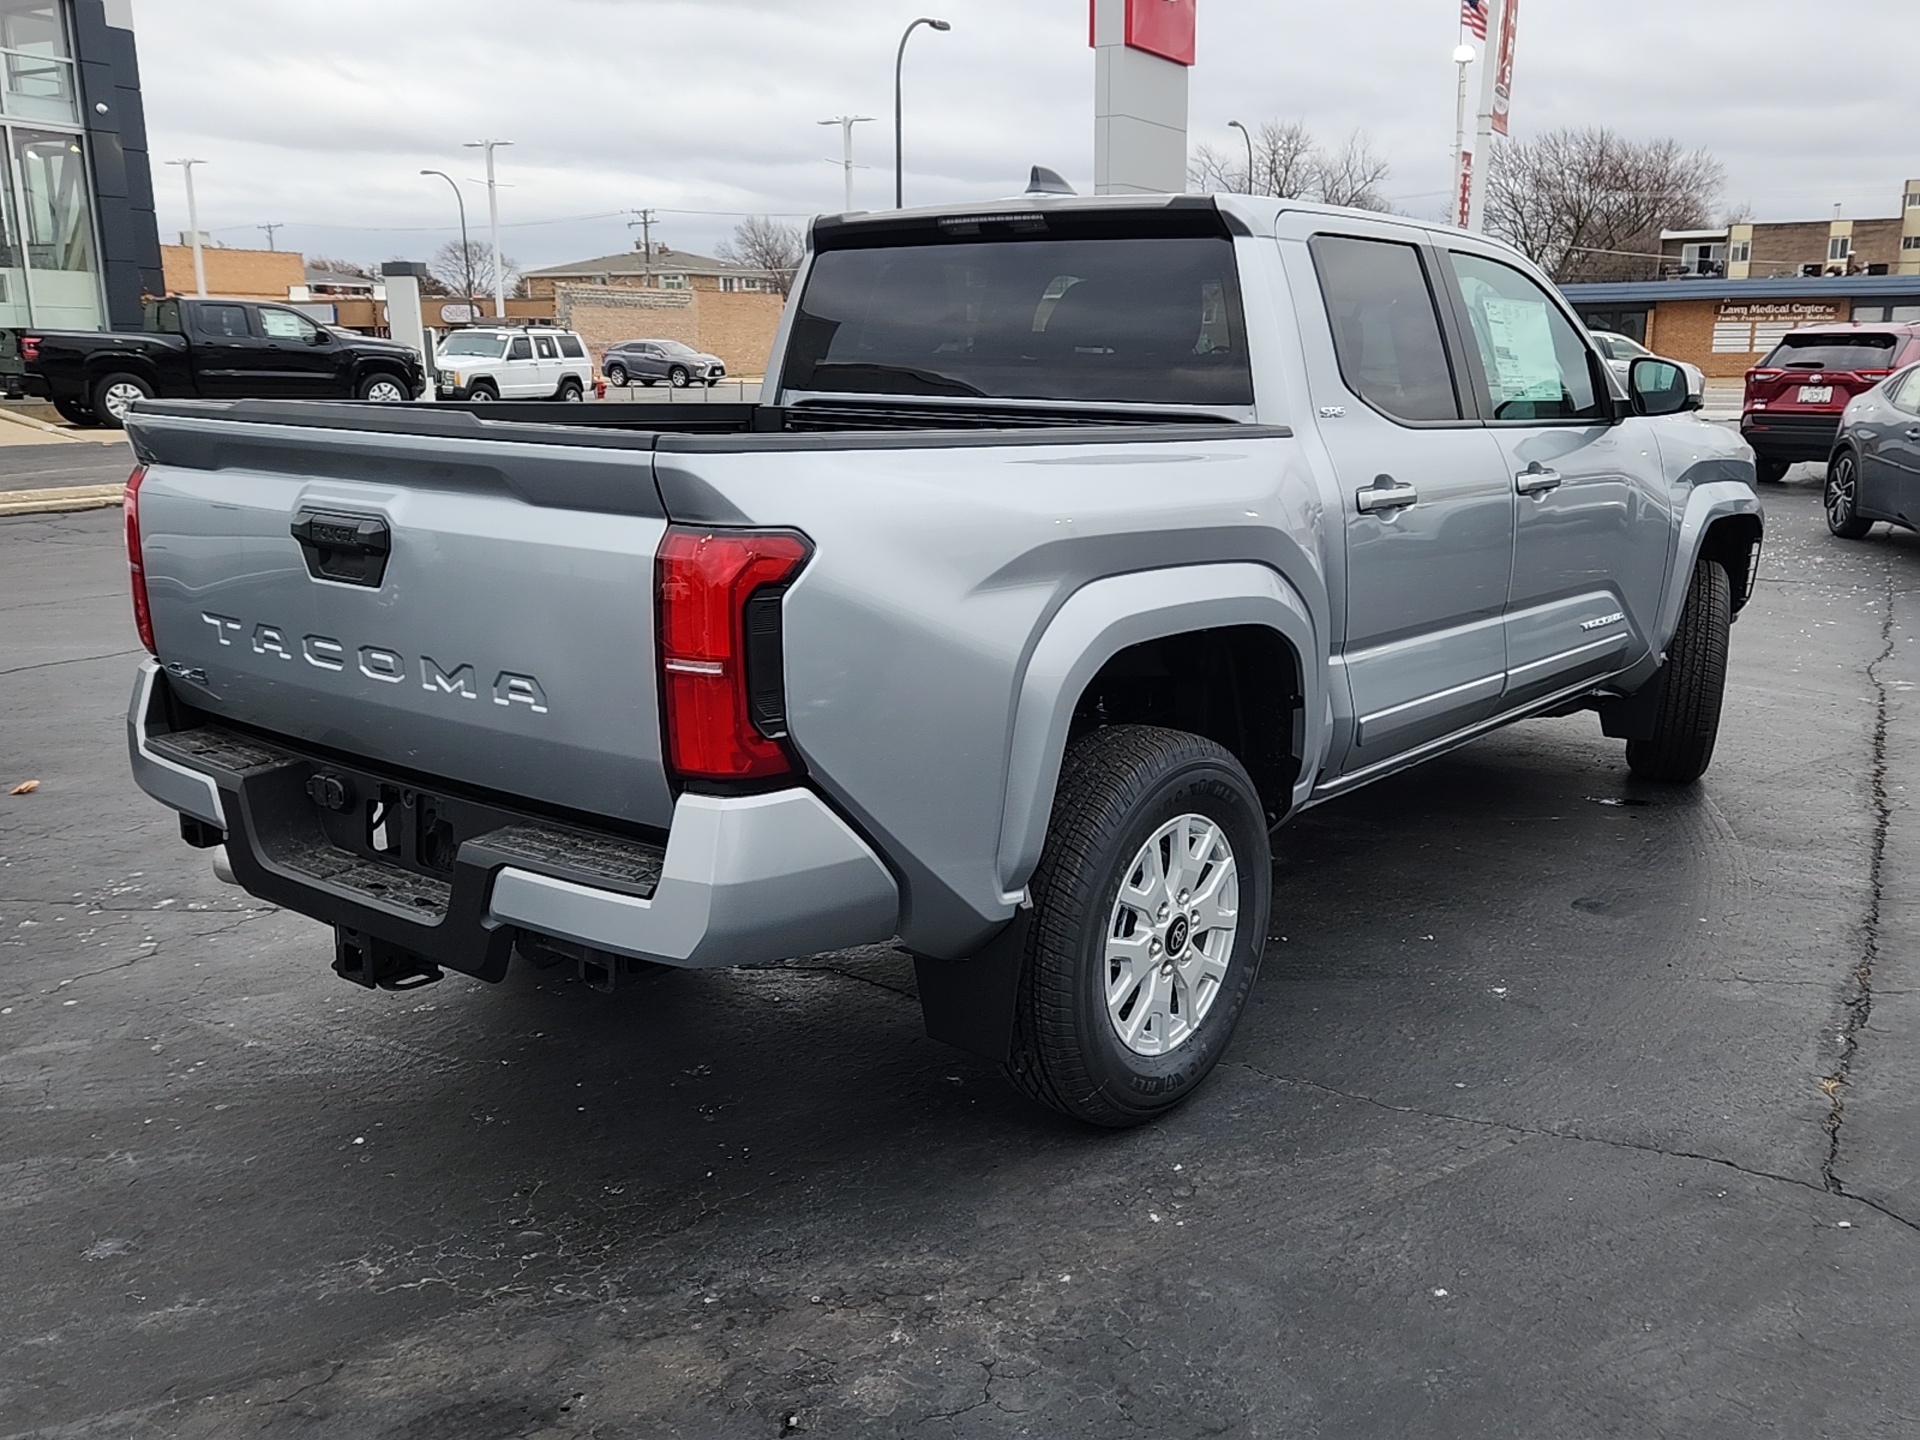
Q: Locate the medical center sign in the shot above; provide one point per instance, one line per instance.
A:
(1142, 51)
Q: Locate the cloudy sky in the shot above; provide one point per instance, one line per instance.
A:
(319, 114)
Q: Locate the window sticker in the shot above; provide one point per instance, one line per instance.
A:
(1520, 335)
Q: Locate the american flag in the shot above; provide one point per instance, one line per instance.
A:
(1473, 17)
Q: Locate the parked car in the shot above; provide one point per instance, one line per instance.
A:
(215, 350)
(1009, 629)
(512, 364)
(1874, 471)
(651, 361)
(1622, 350)
(1796, 395)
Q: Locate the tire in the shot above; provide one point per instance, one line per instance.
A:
(677, 377)
(482, 390)
(1841, 497)
(1124, 790)
(1693, 682)
(571, 392)
(113, 393)
(617, 375)
(383, 388)
(75, 413)
(1771, 471)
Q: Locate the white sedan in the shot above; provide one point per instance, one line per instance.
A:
(1621, 351)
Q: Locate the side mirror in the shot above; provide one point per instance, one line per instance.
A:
(321, 337)
(1658, 387)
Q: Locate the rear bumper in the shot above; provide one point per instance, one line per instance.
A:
(741, 879)
(1784, 435)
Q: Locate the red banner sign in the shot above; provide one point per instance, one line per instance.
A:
(1162, 27)
(1503, 77)
(1466, 190)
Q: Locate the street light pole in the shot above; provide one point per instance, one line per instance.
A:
(846, 124)
(493, 224)
(1246, 135)
(899, 59)
(193, 225)
(466, 248)
(1463, 56)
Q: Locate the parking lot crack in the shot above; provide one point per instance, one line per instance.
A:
(1856, 1001)
(70, 660)
(1541, 1132)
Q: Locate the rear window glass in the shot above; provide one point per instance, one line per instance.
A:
(1154, 321)
(1833, 352)
(570, 347)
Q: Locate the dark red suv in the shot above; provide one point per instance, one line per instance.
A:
(1795, 395)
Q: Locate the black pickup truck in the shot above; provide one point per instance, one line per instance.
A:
(209, 349)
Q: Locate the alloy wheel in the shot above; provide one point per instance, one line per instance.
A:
(1170, 935)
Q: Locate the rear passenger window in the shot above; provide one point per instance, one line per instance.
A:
(1386, 331)
(570, 347)
(1536, 364)
(521, 349)
(225, 321)
(544, 344)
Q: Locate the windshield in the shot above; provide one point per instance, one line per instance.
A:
(483, 347)
(1833, 352)
(1619, 347)
(674, 347)
(1154, 321)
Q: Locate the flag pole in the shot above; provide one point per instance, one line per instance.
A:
(1483, 135)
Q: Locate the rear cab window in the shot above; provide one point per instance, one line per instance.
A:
(1386, 329)
(221, 322)
(1061, 307)
(571, 347)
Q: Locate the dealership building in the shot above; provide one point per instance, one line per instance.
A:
(79, 246)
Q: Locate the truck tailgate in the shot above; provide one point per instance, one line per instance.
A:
(473, 609)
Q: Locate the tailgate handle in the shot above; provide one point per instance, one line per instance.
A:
(345, 548)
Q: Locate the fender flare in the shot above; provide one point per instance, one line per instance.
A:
(1097, 622)
(1707, 505)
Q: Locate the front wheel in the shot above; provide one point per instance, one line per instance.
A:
(483, 391)
(677, 377)
(1693, 682)
(384, 390)
(112, 394)
(1842, 497)
(1150, 914)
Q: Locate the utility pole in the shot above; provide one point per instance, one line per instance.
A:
(466, 246)
(846, 124)
(493, 221)
(277, 225)
(900, 59)
(193, 225)
(645, 222)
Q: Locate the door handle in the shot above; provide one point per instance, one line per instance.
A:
(1913, 433)
(1536, 480)
(1385, 494)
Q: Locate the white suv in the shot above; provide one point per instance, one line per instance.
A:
(512, 364)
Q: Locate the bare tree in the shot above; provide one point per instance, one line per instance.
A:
(1590, 204)
(763, 243)
(451, 268)
(1289, 163)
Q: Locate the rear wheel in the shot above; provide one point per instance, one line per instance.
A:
(1150, 913)
(112, 394)
(1771, 471)
(1842, 497)
(75, 413)
(677, 377)
(617, 375)
(384, 389)
(1687, 718)
(571, 391)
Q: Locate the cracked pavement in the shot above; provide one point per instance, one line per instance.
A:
(1564, 1106)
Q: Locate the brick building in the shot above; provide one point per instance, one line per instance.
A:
(240, 274)
(1799, 249)
(663, 269)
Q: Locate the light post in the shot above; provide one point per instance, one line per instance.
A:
(493, 224)
(1463, 56)
(466, 249)
(846, 124)
(1246, 135)
(899, 59)
(193, 225)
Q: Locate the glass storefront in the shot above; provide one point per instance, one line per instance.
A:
(49, 263)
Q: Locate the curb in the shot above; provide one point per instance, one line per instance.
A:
(32, 424)
(70, 497)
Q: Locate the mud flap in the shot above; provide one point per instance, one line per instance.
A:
(1633, 717)
(970, 1003)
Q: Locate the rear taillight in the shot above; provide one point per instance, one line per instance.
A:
(721, 685)
(136, 563)
(29, 347)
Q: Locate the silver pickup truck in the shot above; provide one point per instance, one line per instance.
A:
(1075, 545)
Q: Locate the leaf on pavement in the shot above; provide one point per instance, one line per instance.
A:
(25, 787)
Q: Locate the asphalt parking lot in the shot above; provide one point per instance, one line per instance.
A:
(1565, 1106)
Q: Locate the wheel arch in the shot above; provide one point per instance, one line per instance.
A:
(1114, 638)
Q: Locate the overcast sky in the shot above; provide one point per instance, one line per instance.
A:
(320, 113)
